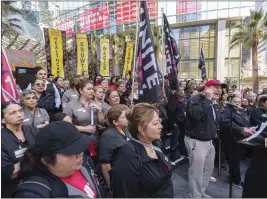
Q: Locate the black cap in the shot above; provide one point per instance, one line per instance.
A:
(61, 137)
(165, 76)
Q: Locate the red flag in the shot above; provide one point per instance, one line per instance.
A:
(9, 90)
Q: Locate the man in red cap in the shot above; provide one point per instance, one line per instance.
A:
(202, 120)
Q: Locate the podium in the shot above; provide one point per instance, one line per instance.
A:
(255, 183)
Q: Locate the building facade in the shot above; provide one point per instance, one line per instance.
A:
(195, 24)
(262, 50)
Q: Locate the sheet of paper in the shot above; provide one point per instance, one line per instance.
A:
(254, 128)
(262, 127)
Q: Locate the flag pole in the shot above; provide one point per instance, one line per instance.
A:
(135, 47)
(163, 52)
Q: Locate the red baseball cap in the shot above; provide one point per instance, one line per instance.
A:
(213, 82)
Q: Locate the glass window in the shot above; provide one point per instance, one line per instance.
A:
(176, 33)
(235, 51)
(193, 67)
(204, 31)
(212, 14)
(189, 69)
(234, 12)
(185, 48)
(247, 3)
(210, 68)
(234, 4)
(223, 5)
(203, 15)
(212, 30)
(191, 17)
(226, 49)
(205, 43)
(212, 5)
(222, 13)
(204, 5)
(194, 49)
(194, 32)
(245, 11)
(191, 6)
(211, 48)
(185, 33)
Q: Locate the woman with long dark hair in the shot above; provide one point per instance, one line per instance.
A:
(15, 139)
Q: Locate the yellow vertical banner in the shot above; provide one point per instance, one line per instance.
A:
(104, 56)
(128, 59)
(82, 53)
(56, 52)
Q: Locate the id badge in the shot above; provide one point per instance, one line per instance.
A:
(89, 191)
(20, 153)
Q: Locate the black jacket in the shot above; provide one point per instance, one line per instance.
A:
(135, 175)
(42, 184)
(199, 122)
(47, 102)
(10, 144)
(239, 121)
(251, 108)
(175, 110)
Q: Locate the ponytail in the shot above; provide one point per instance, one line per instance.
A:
(33, 161)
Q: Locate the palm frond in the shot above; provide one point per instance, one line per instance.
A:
(258, 15)
(265, 20)
(239, 25)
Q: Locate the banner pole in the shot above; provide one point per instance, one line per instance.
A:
(163, 45)
(135, 48)
(9, 95)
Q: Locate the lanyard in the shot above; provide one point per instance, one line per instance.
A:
(146, 145)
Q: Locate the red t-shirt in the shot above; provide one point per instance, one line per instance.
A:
(77, 180)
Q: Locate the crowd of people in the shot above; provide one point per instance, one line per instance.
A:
(83, 138)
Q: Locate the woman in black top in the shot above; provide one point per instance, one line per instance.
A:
(258, 116)
(112, 138)
(15, 140)
(45, 99)
(239, 123)
(139, 169)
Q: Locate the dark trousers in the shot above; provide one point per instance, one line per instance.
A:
(182, 147)
(175, 153)
(216, 146)
(234, 157)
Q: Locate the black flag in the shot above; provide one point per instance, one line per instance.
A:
(172, 53)
(201, 64)
(148, 71)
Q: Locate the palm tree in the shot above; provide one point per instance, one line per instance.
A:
(7, 8)
(250, 33)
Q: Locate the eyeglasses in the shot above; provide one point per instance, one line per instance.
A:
(39, 84)
(29, 98)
